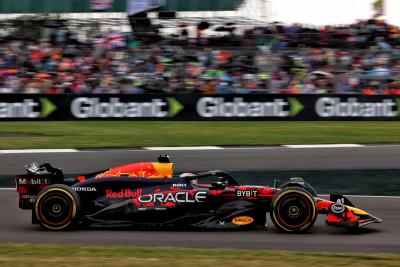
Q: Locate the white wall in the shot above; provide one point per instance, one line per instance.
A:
(330, 12)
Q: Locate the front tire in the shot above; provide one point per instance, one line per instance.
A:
(57, 207)
(293, 210)
(299, 182)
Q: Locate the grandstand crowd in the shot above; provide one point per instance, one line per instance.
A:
(360, 58)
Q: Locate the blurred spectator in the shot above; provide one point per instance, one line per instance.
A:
(359, 58)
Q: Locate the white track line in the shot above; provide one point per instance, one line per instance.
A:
(112, 150)
(28, 151)
(385, 145)
(7, 188)
(324, 146)
(183, 148)
(192, 148)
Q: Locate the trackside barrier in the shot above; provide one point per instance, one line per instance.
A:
(198, 107)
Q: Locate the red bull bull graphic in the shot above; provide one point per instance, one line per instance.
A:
(141, 169)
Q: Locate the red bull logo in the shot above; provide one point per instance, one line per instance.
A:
(124, 193)
(141, 169)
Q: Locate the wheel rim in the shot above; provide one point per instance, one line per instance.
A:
(55, 209)
(294, 211)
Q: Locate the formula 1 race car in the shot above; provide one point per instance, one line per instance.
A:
(147, 194)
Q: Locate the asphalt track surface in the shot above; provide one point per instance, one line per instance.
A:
(231, 159)
(385, 237)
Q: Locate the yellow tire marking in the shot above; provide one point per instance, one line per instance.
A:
(304, 194)
(73, 208)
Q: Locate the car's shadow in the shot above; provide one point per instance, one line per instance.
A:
(316, 230)
(330, 230)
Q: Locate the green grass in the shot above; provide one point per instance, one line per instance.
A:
(87, 256)
(92, 134)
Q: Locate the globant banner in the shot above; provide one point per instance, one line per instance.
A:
(199, 107)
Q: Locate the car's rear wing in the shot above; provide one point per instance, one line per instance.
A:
(36, 179)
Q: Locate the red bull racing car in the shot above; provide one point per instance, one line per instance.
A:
(147, 194)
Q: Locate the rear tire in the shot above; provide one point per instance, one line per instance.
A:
(57, 207)
(293, 209)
